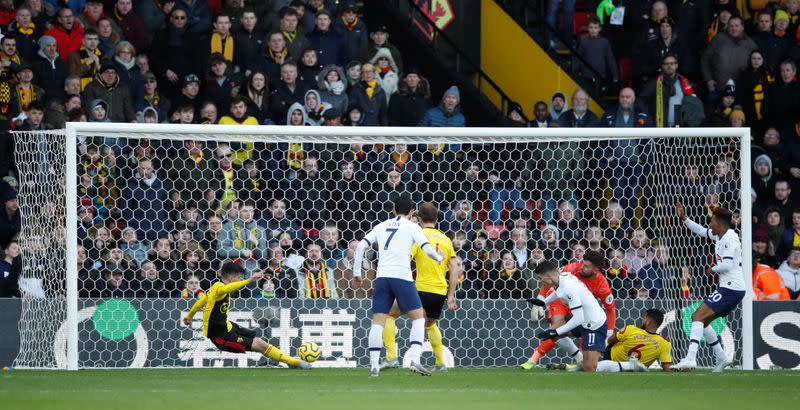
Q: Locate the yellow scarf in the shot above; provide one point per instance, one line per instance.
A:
(89, 75)
(239, 240)
(25, 96)
(26, 30)
(370, 88)
(225, 49)
(660, 103)
(508, 273)
(289, 35)
(317, 283)
(295, 155)
(284, 53)
(198, 159)
(400, 160)
(436, 149)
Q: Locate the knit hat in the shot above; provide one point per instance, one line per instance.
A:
(738, 113)
(148, 76)
(452, 91)
(107, 65)
(730, 89)
(325, 11)
(760, 234)
(45, 41)
(9, 194)
(781, 15)
(191, 78)
(412, 69)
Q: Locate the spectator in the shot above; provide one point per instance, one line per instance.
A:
(408, 106)
(313, 107)
(9, 59)
(106, 87)
(144, 202)
(287, 92)
(35, 116)
(569, 227)
(352, 74)
(773, 47)
(477, 265)
(721, 117)
(109, 39)
(554, 171)
(115, 285)
(594, 239)
(257, 92)
(628, 158)
(579, 116)
(282, 278)
(541, 118)
(10, 269)
(86, 60)
(782, 101)
(763, 252)
(617, 274)
(329, 43)
(353, 30)
(790, 273)
(343, 274)
(10, 222)
(597, 52)
(152, 98)
(296, 41)
(149, 284)
(447, 113)
(222, 42)
(506, 280)
(315, 279)
(461, 218)
(550, 243)
(725, 183)
(676, 97)
(192, 289)
(67, 32)
(244, 239)
(639, 253)
(26, 32)
(752, 84)
(134, 249)
(166, 261)
(332, 250)
(370, 98)
(248, 40)
(306, 192)
(520, 246)
(198, 15)
(726, 56)
(385, 194)
(331, 87)
(379, 38)
(775, 228)
(132, 27)
(782, 199)
(657, 276)
(388, 71)
(790, 237)
(278, 221)
(175, 53)
(768, 284)
(128, 72)
(49, 71)
(558, 106)
(308, 69)
(274, 57)
(190, 174)
(92, 12)
(351, 189)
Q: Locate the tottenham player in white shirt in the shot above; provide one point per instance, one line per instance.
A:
(587, 321)
(395, 239)
(731, 290)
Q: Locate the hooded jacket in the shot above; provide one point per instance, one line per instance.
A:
(553, 114)
(292, 108)
(763, 186)
(120, 107)
(388, 80)
(725, 57)
(314, 117)
(406, 107)
(439, 117)
(50, 74)
(334, 94)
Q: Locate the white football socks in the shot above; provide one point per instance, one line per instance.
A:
(416, 338)
(614, 367)
(714, 342)
(568, 345)
(694, 340)
(375, 345)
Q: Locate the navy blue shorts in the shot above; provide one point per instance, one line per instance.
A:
(594, 340)
(723, 300)
(386, 290)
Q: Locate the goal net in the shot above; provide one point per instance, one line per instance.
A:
(125, 225)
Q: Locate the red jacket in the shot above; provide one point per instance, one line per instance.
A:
(66, 42)
(6, 17)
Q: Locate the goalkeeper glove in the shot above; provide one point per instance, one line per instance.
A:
(537, 313)
(548, 334)
(536, 302)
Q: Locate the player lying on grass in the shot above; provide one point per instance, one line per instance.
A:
(731, 290)
(634, 349)
(588, 271)
(395, 238)
(587, 320)
(226, 335)
(434, 287)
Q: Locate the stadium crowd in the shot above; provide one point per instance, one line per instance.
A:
(157, 218)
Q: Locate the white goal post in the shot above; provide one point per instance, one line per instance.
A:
(535, 138)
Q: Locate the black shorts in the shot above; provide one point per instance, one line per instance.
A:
(432, 303)
(607, 352)
(237, 340)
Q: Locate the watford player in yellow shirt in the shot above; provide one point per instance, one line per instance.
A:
(226, 335)
(634, 349)
(434, 285)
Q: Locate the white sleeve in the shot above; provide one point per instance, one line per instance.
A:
(576, 309)
(727, 253)
(424, 245)
(550, 298)
(698, 229)
(358, 258)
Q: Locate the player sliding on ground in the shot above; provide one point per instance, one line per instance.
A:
(731, 290)
(395, 239)
(588, 271)
(434, 286)
(587, 320)
(226, 335)
(634, 349)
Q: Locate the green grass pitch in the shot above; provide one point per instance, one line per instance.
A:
(397, 389)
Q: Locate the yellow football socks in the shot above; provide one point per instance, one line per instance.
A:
(389, 342)
(276, 354)
(435, 337)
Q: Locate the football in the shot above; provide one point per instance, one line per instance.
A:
(309, 351)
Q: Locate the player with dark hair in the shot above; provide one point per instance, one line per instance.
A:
(634, 349)
(731, 290)
(586, 320)
(590, 272)
(395, 239)
(436, 284)
(226, 335)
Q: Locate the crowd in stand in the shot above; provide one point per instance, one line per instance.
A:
(157, 218)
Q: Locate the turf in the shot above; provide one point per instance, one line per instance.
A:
(398, 389)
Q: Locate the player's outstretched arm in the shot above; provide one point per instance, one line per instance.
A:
(692, 225)
(234, 286)
(196, 307)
